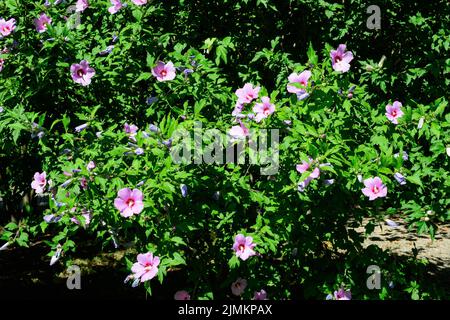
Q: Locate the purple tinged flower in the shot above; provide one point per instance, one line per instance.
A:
(328, 182)
(168, 143)
(129, 202)
(130, 129)
(164, 71)
(151, 100)
(239, 132)
(139, 151)
(182, 295)
(264, 109)
(247, 93)
(405, 156)
(287, 122)
(374, 188)
(66, 183)
(84, 183)
(303, 184)
(115, 38)
(340, 58)
(329, 297)
(238, 287)
(260, 295)
(153, 128)
(47, 3)
(87, 218)
(139, 2)
(360, 178)
(76, 170)
(297, 83)
(146, 267)
(51, 218)
(447, 150)
(82, 73)
(90, 166)
(81, 5)
(108, 50)
(394, 112)
(237, 110)
(400, 178)
(305, 166)
(116, 6)
(42, 22)
(243, 246)
(302, 96)
(39, 182)
(184, 190)
(187, 72)
(341, 294)
(1, 108)
(7, 27)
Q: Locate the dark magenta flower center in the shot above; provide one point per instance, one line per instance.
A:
(80, 72)
(130, 202)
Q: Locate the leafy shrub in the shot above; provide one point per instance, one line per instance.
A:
(81, 135)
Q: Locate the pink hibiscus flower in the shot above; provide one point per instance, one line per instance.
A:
(116, 6)
(260, 295)
(81, 5)
(164, 71)
(299, 79)
(82, 73)
(238, 287)
(264, 109)
(90, 166)
(130, 129)
(129, 202)
(7, 27)
(239, 132)
(39, 182)
(305, 167)
(139, 2)
(247, 94)
(393, 112)
(182, 295)
(374, 188)
(341, 294)
(243, 246)
(341, 58)
(146, 268)
(42, 22)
